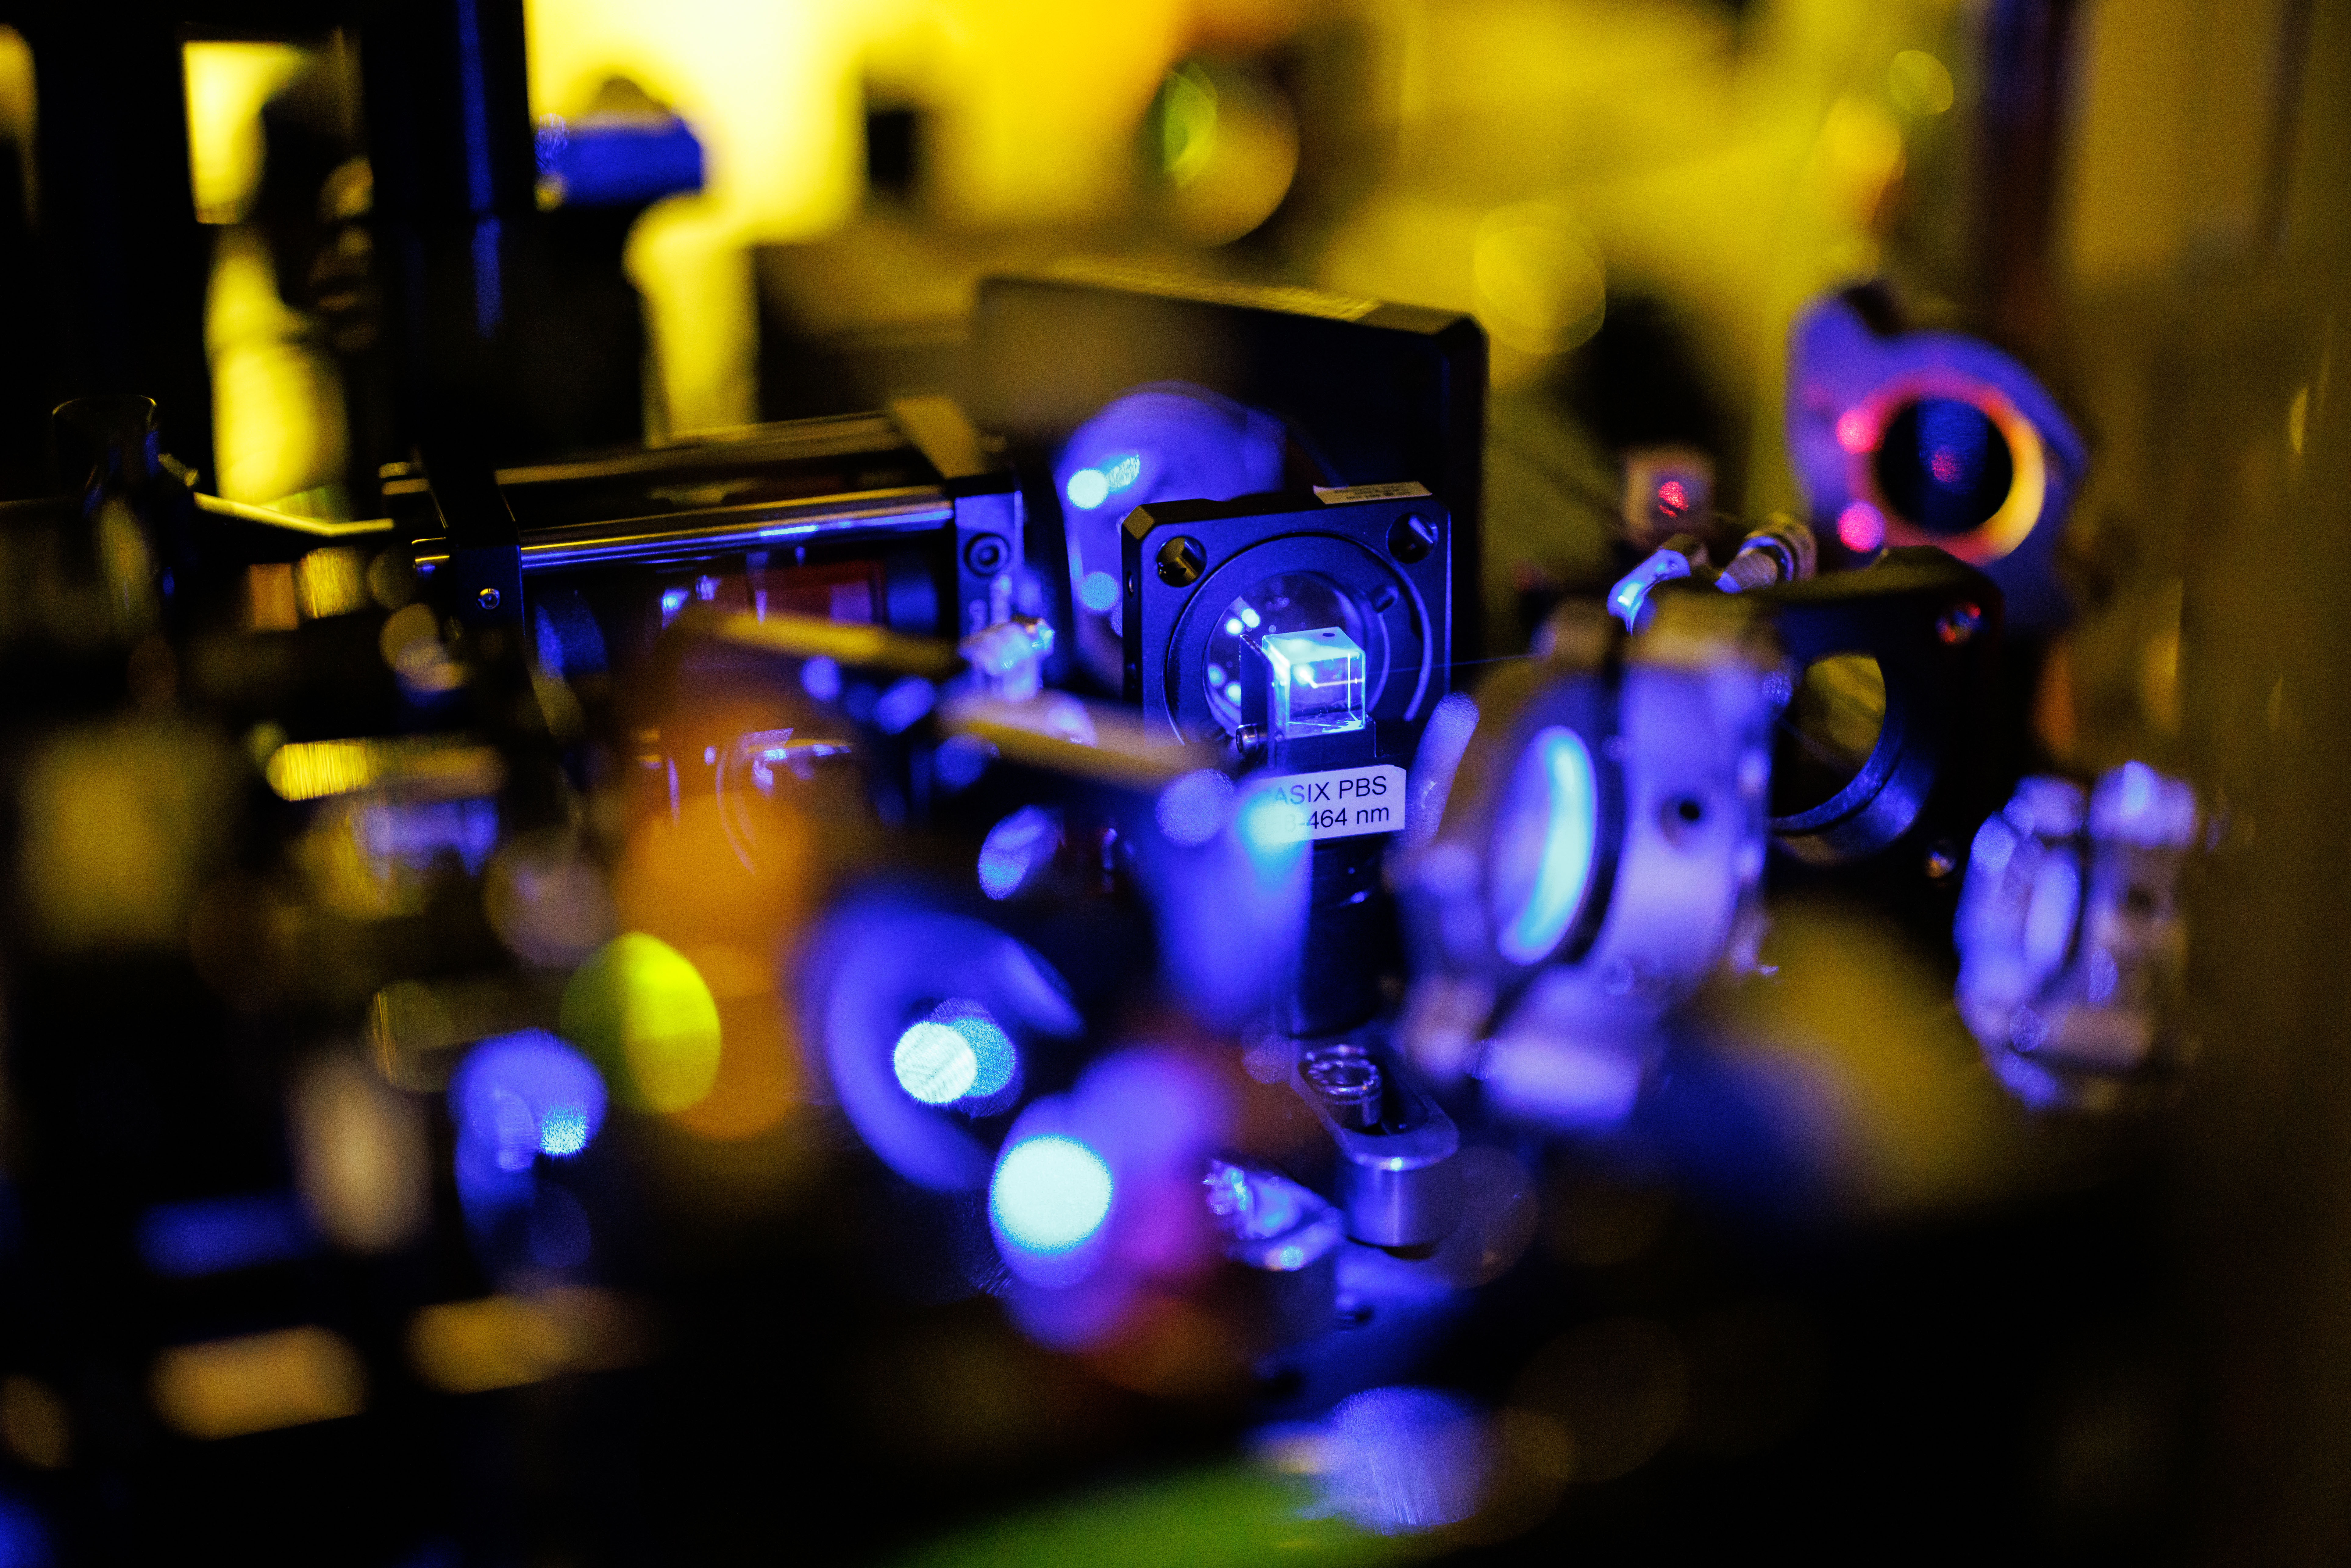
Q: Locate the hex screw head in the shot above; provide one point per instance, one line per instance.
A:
(1347, 1082)
(487, 598)
(1181, 561)
(1411, 538)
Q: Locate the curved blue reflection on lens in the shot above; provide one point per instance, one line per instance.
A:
(523, 1095)
(1015, 848)
(1542, 857)
(1049, 1194)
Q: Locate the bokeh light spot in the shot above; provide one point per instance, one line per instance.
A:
(645, 1014)
(1088, 489)
(1861, 527)
(993, 1056)
(527, 1094)
(1015, 848)
(959, 1052)
(24, 1540)
(933, 1063)
(1404, 1460)
(563, 1131)
(1194, 807)
(1920, 83)
(1051, 1193)
(1539, 281)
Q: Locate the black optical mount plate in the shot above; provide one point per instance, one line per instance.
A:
(1393, 552)
(1933, 625)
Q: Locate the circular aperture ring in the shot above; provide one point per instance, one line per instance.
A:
(1399, 671)
(1862, 432)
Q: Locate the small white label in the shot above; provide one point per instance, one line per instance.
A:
(1404, 490)
(1339, 804)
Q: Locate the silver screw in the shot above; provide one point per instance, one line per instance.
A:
(1345, 1081)
(488, 598)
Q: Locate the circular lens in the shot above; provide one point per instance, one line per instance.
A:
(1944, 466)
(1544, 845)
(1293, 602)
(1826, 734)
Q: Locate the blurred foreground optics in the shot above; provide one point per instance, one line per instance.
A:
(1188, 783)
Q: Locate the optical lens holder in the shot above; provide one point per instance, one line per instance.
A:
(1378, 568)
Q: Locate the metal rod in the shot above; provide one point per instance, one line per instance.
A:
(719, 529)
(269, 516)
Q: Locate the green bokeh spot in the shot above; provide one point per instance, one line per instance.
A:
(646, 1016)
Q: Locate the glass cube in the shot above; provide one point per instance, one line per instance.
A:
(1317, 682)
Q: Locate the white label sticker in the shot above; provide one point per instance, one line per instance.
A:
(1345, 801)
(1401, 491)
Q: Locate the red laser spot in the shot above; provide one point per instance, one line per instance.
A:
(1860, 528)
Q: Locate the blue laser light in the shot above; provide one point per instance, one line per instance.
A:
(1049, 1194)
